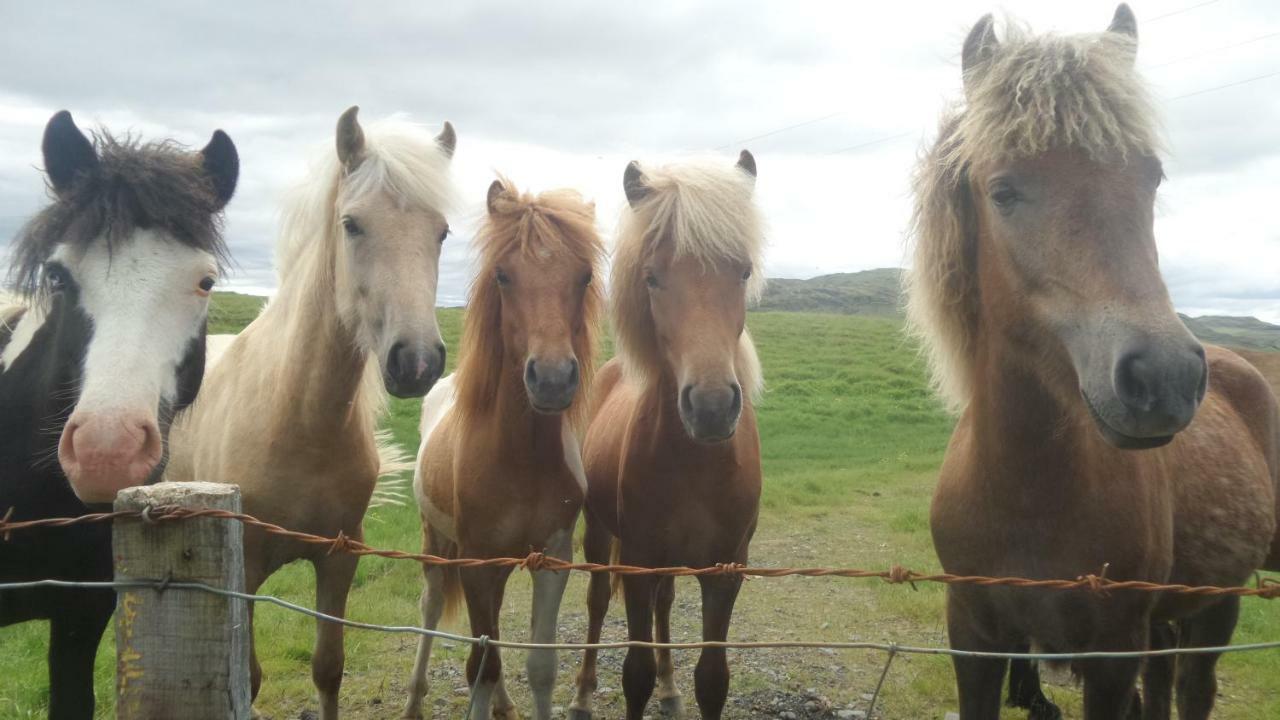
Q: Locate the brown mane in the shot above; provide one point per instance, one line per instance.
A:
(135, 185)
(560, 222)
(1076, 91)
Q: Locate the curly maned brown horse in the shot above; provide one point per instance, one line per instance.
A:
(672, 454)
(500, 470)
(1095, 432)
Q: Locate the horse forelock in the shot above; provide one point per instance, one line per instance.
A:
(1034, 94)
(134, 186)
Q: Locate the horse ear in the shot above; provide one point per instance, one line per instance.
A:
(350, 139)
(67, 152)
(633, 184)
(447, 139)
(979, 47)
(1124, 22)
(222, 163)
(747, 163)
(496, 189)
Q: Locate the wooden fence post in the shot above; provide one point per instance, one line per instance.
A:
(181, 653)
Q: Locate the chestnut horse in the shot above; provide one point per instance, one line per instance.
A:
(1095, 431)
(672, 454)
(289, 409)
(499, 470)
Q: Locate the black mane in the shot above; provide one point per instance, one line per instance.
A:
(134, 186)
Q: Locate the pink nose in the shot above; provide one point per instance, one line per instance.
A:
(101, 453)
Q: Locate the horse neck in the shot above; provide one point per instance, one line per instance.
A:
(320, 361)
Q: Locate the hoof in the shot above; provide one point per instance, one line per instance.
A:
(672, 707)
(576, 714)
(1042, 709)
(507, 713)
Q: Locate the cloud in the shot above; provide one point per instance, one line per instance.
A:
(565, 93)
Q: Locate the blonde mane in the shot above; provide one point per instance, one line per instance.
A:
(707, 210)
(1033, 94)
(558, 222)
(401, 158)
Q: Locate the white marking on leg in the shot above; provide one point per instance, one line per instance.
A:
(548, 589)
(432, 605)
(482, 701)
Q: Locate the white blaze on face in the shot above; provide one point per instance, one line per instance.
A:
(145, 306)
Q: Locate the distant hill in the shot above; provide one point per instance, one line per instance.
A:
(1240, 332)
(870, 292)
(876, 292)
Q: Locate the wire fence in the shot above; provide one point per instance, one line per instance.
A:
(1265, 588)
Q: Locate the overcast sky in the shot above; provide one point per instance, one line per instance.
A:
(834, 99)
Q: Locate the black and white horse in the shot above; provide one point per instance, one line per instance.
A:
(116, 273)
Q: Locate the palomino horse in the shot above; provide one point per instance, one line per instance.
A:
(117, 271)
(672, 454)
(1087, 438)
(291, 407)
(499, 470)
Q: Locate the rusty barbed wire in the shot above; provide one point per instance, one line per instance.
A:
(1266, 588)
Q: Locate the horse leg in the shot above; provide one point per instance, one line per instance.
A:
(711, 675)
(333, 582)
(1026, 689)
(1197, 679)
(978, 680)
(432, 604)
(480, 585)
(75, 630)
(639, 670)
(504, 708)
(1157, 677)
(595, 545)
(668, 694)
(548, 589)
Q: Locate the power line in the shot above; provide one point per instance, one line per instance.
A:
(869, 143)
(1192, 57)
(1227, 85)
(743, 141)
(1189, 8)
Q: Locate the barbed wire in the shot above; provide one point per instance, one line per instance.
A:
(1266, 588)
(893, 648)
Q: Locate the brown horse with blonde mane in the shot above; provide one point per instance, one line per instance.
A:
(672, 454)
(499, 470)
(1096, 434)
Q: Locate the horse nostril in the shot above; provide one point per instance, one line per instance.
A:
(1131, 381)
(686, 399)
(394, 361)
(530, 374)
(735, 405)
(573, 372)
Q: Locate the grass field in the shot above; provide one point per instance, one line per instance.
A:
(852, 441)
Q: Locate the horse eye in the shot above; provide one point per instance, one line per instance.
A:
(56, 277)
(651, 280)
(351, 226)
(746, 274)
(503, 280)
(206, 285)
(586, 280)
(1004, 197)
(444, 234)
